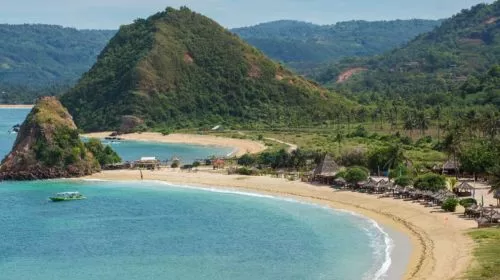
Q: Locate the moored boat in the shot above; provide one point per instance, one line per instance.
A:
(67, 196)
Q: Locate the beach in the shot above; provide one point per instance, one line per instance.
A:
(240, 146)
(440, 250)
(15, 106)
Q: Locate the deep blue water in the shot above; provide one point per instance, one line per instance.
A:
(146, 230)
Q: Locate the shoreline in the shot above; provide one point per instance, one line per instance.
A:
(239, 146)
(440, 249)
(15, 106)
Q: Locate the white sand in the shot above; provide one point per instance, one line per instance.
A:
(240, 146)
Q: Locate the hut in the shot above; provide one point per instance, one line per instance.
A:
(218, 164)
(451, 167)
(150, 163)
(465, 189)
(326, 171)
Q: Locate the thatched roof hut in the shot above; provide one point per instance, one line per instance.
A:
(326, 170)
(465, 189)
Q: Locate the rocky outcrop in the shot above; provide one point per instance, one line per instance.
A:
(48, 146)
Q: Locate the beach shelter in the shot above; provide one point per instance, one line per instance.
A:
(465, 189)
(451, 167)
(326, 171)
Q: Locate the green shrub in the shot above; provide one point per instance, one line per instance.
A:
(196, 164)
(174, 164)
(404, 181)
(450, 205)
(355, 175)
(245, 171)
(430, 182)
(246, 160)
(467, 202)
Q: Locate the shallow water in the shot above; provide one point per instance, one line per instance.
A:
(145, 230)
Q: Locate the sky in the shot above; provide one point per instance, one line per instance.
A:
(110, 14)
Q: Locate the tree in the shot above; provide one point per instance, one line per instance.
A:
(494, 178)
(339, 138)
(430, 182)
(354, 175)
(404, 181)
(246, 160)
(477, 157)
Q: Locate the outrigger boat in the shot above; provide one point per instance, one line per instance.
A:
(67, 196)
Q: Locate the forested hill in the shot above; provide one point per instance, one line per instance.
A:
(180, 69)
(468, 44)
(45, 57)
(302, 44)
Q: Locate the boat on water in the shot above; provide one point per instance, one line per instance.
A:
(67, 196)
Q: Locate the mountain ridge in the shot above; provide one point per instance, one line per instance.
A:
(180, 69)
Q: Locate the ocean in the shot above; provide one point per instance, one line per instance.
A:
(155, 230)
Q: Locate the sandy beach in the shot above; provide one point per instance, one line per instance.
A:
(240, 146)
(440, 250)
(15, 106)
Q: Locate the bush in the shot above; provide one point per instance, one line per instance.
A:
(245, 171)
(355, 175)
(246, 160)
(196, 164)
(467, 202)
(430, 182)
(174, 165)
(450, 205)
(404, 181)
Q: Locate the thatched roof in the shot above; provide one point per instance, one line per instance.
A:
(465, 186)
(327, 168)
(451, 165)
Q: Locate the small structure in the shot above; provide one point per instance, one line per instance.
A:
(451, 167)
(496, 195)
(465, 189)
(218, 164)
(150, 163)
(326, 171)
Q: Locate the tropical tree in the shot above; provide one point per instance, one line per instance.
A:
(354, 175)
(494, 178)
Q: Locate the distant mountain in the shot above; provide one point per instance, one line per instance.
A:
(180, 69)
(302, 44)
(35, 57)
(468, 44)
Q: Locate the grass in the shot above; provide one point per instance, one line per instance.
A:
(487, 255)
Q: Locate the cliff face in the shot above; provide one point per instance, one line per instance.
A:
(48, 146)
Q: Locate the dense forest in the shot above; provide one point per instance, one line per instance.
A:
(180, 69)
(304, 45)
(41, 59)
(435, 63)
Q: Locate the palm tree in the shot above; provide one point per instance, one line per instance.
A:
(339, 138)
(422, 122)
(409, 123)
(437, 114)
(494, 178)
(395, 155)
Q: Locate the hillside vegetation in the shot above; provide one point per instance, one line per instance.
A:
(180, 69)
(44, 59)
(468, 44)
(48, 146)
(303, 45)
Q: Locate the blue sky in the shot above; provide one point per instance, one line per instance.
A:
(110, 14)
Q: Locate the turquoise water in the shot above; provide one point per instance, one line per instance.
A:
(146, 230)
(150, 230)
(9, 118)
(128, 150)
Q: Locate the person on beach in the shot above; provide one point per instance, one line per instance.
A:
(141, 174)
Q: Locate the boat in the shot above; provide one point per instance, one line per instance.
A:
(67, 196)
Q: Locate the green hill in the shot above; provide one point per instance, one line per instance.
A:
(468, 44)
(46, 58)
(180, 69)
(303, 45)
